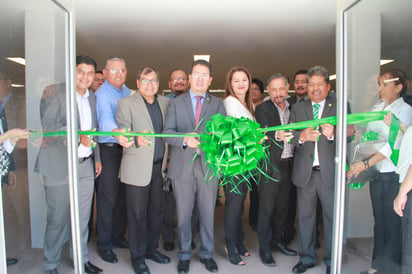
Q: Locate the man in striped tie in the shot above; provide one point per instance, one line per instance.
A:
(313, 168)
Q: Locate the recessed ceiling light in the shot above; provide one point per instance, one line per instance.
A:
(18, 60)
(17, 86)
(386, 61)
(201, 57)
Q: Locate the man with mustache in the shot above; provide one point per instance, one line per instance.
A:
(273, 195)
(178, 83)
(314, 169)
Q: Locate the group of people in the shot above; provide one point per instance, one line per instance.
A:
(145, 182)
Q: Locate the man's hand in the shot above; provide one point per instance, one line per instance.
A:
(284, 136)
(87, 141)
(123, 140)
(97, 169)
(328, 130)
(309, 134)
(191, 141)
(143, 141)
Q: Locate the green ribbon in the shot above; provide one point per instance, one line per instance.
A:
(233, 147)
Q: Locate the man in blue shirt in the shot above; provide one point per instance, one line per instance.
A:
(111, 207)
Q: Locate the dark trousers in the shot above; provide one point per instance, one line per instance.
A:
(145, 214)
(111, 204)
(387, 249)
(407, 237)
(307, 210)
(253, 206)
(289, 229)
(273, 207)
(234, 235)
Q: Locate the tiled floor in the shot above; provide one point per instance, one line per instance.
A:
(30, 259)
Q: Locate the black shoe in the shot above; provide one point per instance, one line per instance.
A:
(121, 244)
(140, 267)
(193, 245)
(328, 269)
(168, 246)
(53, 271)
(301, 267)
(284, 249)
(267, 259)
(108, 255)
(183, 266)
(91, 268)
(158, 257)
(210, 264)
(11, 261)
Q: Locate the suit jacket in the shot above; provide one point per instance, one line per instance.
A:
(267, 115)
(137, 162)
(180, 119)
(52, 158)
(304, 153)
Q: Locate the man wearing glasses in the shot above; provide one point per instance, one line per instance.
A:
(178, 83)
(141, 168)
(186, 114)
(111, 206)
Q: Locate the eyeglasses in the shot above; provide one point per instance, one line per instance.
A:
(180, 79)
(147, 81)
(200, 75)
(115, 71)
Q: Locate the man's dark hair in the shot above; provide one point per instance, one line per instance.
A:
(84, 59)
(203, 63)
(259, 83)
(99, 71)
(318, 71)
(147, 70)
(176, 69)
(301, 71)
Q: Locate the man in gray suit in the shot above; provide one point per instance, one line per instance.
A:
(52, 164)
(313, 168)
(141, 168)
(188, 113)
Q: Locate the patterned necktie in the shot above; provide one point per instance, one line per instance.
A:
(316, 111)
(316, 115)
(198, 109)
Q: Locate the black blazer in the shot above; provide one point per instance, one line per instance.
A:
(267, 115)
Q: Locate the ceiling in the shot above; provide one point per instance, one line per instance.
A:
(266, 36)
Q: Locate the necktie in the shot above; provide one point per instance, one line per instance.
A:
(198, 109)
(316, 114)
(316, 111)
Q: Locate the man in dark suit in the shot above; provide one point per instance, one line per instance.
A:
(314, 169)
(141, 168)
(51, 163)
(273, 196)
(187, 113)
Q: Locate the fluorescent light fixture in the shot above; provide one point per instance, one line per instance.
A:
(332, 77)
(17, 86)
(18, 60)
(201, 57)
(385, 61)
